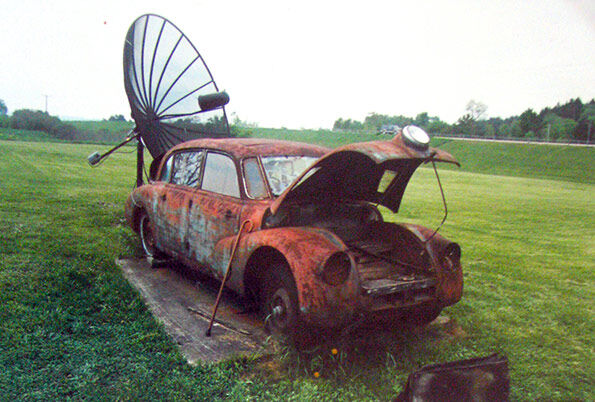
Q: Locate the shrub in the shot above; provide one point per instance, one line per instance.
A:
(36, 120)
(65, 131)
(27, 119)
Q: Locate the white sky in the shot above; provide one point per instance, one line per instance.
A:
(306, 63)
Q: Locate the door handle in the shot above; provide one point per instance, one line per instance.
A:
(229, 214)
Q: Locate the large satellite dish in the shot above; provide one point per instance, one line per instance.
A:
(171, 91)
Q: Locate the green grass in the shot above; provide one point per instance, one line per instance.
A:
(97, 132)
(103, 125)
(560, 162)
(11, 134)
(322, 137)
(557, 162)
(72, 327)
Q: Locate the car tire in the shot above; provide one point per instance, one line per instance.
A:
(147, 237)
(423, 315)
(280, 302)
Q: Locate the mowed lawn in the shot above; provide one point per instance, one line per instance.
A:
(72, 327)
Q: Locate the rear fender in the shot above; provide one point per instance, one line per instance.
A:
(450, 282)
(305, 251)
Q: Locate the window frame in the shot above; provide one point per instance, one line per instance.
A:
(200, 173)
(263, 176)
(238, 173)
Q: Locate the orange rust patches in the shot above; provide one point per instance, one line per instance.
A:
(450, 288)
(199, 227)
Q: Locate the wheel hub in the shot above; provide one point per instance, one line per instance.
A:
(279, 305)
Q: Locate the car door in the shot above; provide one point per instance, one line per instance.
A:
(181, 177)
(216, 210)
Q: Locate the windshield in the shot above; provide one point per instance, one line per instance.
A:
(281, 171)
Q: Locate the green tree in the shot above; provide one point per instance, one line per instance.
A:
(490, 131)
(468, 124)
(374, 121)
(530, 121)
(465, 125)
(3, 108)
(422, 119)
(437, 126)
(515, 129)
(503, 130)
(37, 120)
(27, 119)
(338, 125)
(585, 128)
(570, 110)
(559, 128)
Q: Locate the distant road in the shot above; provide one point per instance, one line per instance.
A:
(516, 141)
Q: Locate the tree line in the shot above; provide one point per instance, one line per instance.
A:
(36, 120)
(571, 121)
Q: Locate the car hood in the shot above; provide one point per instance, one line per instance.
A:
(355, 171)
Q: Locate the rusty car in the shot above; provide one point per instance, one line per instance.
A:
(317, 251)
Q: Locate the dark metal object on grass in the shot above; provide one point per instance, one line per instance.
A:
(483, 379)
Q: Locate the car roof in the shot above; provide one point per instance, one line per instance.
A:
(246, 147)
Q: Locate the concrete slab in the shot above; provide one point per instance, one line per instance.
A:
(183, 304)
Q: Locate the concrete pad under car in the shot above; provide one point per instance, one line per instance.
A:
(184, 306)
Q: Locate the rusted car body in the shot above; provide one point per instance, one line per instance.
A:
(318, 251)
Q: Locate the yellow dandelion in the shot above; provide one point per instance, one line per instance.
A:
(334, 351)
(316, 374)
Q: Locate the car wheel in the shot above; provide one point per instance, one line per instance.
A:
(423, 315)
(147, 237)
(280, 301)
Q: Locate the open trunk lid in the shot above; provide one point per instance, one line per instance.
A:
(376, 171)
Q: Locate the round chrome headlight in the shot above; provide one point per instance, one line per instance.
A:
(336, 269)
(416, 137)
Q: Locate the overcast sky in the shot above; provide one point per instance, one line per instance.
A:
(306, 63)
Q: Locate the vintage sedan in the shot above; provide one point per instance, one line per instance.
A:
(313, 248)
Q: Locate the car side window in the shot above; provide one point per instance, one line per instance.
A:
(186, 169)
(255, 187)
(220, 175)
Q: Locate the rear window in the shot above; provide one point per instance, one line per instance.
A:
(281, 171)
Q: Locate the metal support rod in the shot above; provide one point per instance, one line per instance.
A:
(443, 203)
(95, 157)
(227, 272)
(140, 149)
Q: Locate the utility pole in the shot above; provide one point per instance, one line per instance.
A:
(46, 103)
(589, 133)
(548, 131)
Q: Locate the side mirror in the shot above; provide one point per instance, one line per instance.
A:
(213, 101)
